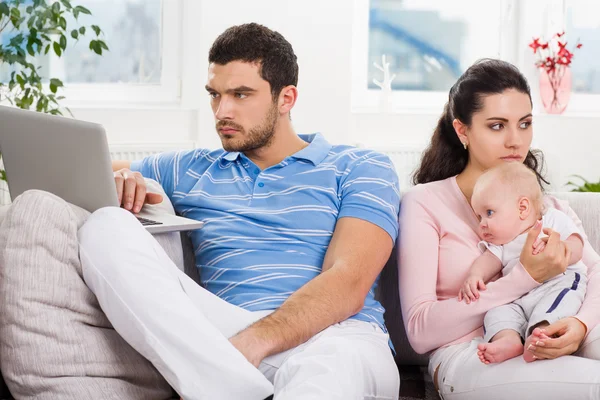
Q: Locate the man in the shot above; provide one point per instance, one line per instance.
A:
(296, 233)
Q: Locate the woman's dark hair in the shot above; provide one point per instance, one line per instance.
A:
(255, 43)
(446, 156)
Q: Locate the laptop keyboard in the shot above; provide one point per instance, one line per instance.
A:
(147, 222)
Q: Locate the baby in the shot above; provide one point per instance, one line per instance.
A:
(508, 202)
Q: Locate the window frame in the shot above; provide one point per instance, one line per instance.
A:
(135, 95)
(365, 100)
(586, 104)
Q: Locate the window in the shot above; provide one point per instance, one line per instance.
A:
(132, 30)
(581, 22)
(142, 66)
(428, 43)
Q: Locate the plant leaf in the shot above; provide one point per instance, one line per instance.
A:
(15, 13)
(63, 42)
(95, 47)
(4, 10)
(56, 82)
(97, 29)
(75, 34)
(82, 30)
(21, 81)
(57, 49)
(83, 10)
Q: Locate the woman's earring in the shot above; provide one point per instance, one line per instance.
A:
(465, 145)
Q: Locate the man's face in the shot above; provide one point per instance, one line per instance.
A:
(245, 113)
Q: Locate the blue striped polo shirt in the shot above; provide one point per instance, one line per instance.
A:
(267, 231)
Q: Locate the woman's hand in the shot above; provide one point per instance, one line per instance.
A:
(562, 339)
(552, 261)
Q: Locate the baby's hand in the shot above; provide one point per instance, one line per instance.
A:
(470, 289)
(539, 245)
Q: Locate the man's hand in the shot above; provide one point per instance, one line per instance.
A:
(249, 346)
(470, 289)
(131, 190)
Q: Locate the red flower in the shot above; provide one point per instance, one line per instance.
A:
(535, 45)
(553, 55)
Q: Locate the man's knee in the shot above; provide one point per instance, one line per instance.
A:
(106, 218)
(340, 365)
(102, 227)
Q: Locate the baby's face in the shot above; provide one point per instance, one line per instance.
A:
(498, 213)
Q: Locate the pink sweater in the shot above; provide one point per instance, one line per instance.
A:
(437, 245)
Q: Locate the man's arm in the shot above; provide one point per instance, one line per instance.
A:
(120, 164)
(356, 255)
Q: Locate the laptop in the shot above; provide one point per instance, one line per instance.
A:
(70, 159)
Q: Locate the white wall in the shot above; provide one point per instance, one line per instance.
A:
(321, 34)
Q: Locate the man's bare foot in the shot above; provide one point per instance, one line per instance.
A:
(500, 349)
(531, 342)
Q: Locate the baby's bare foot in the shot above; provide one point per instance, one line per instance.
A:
(500, 350)
(531, 342)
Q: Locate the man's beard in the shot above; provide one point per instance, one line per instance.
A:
(258, 137)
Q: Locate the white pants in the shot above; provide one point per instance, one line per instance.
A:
(184, 329)
(463, 376)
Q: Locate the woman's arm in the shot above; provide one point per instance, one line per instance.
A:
(431, 323)
(575, 244)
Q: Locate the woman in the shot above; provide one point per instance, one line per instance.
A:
(486, 121)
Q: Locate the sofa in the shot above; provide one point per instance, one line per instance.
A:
(42, 292)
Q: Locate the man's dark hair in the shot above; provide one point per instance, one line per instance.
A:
(256, 43)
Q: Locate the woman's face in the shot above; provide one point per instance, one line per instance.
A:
(501, 131)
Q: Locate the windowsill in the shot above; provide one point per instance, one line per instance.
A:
(437, 111)
(115, 106)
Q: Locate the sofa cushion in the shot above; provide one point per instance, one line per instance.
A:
(587, 207)
(55, 342)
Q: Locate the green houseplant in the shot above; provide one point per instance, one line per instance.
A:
(30, 29)
(585, 186)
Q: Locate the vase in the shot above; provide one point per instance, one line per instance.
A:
(555, 89)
